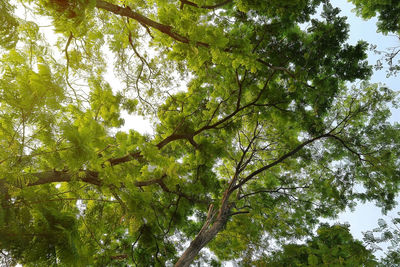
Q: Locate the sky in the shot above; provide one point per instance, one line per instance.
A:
(366, 215)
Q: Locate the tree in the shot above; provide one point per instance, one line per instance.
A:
(333, 246)
(388, 22)
(262, 138)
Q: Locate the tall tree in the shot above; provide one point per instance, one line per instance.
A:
(256, 133)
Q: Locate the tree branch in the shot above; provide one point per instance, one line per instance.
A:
(272, 191)
(282, 158)
(186, 2)
(128, 12)
(359, 155)
(47, 177)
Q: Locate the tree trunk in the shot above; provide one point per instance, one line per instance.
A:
(206, 233)
(197, 244)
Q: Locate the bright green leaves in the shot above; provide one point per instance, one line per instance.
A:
(251, 115)
(287, 12)
(31, 96)
(84, 136)
(368, 159)
(62, 227)
(28, 78)
(388, 21)
(105, 104)
(8, 26)
(66, 15)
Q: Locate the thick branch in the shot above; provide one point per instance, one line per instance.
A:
(128, 12)
(63, 176)
(129, 157)
(92, 177)
(206, 234)
(209, 230)
(173, 137)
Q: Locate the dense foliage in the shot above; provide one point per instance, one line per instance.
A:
(333, 246)
(257, 133)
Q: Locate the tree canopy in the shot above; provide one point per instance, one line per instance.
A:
(257, 132)
(333, 246)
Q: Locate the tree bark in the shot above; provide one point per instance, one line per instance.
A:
(201, 240)
(209, 230)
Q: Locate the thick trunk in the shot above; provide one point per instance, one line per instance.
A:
(201, 240)
(209, 230)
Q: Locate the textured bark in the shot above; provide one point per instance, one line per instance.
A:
(201, 240)
(209, 230)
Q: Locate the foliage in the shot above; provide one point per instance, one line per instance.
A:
(333, 246)
(256, 135)
(387, 12)
(388, 232)
(388, 21)
(8, 26)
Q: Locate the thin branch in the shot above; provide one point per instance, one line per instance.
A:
(172, 216)
(92, 235)
(67, 70)
(277, 68)
(272, 190)
(189, 3)
(134, 244)
(144, 61)
(237, 110)
(276, 162)
(239, 212)
(34, 154)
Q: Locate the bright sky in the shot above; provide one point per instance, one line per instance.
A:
(365, 216)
